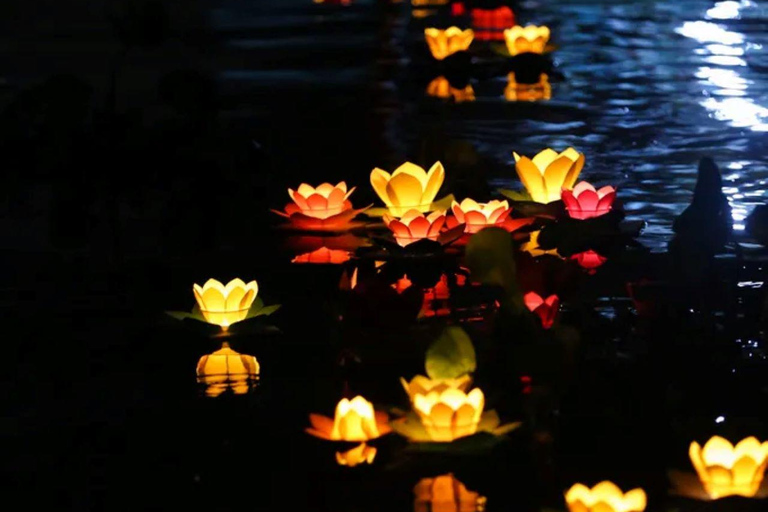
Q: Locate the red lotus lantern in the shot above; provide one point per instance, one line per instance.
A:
(489, 24)
(584, 202)
(589, 260)
(545, 309)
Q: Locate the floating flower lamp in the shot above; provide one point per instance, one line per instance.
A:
(604, 497)
(325, 207)
(515, 91)
(414, 226)
(450, 414)
(224, 305)
(443, 43)
(225, 370)
(532, 246)
(323, 256)
(360, 454)
(355, 420)
(545, 309)
(421, 385)
(489, 24)
(441, 88)
(445, 493)
(408, 188)
(584, 202)
(476, 216)
(549, 172)
(589, 260)
(530, 39)
(725, 470)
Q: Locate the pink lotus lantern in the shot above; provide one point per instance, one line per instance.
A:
(545, 309)
(584, 202)
(326, 207)
(414, 226)
(489, 24)
(589, 260)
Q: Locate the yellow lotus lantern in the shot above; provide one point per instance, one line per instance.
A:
(421, 385)
(476, 216)
(549, 172)
(604, 497)
(443, 43)
(445, 493)
(222, 304)
(408, 188)
(225, 370)
(450, 414)
(725, 470)
(441, 88)
(355, 420)
(360, 454)
(515, 91)
(530, 39)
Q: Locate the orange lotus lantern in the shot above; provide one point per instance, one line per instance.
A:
(450, 414)
(604, 497)
(421, 385)
(584, 202)
(545, 309)
(323, 256)
(476, 216)
(360, 454)
(530, 39)
(225, 370)
(413, 226)
(410, 187)
(489, 24)
(725, 470)
(589, 260)
(549, 172)
(445, 493)
(515, 91)
(355, 420)
(441, 88)
(428, 3)
(222, 304)
(325, 207)
(444, 43)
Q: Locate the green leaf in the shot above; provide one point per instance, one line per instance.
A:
(451, 355)
(516, 195)
(491, 261)
(179, 315)
(443, 204)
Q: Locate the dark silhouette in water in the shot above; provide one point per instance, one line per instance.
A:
(757, 224)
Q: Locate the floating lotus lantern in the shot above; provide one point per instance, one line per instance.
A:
(440, 87)
(325, 207)
(450, 414)
(515, 91)
(355, 420)
(408, 188)
(584, 202)
(443, 43)
(545, 309)
(360, 454)
(445, 493)
(725, 470)
(421, 385)
(225, 370)
(323, 256)
(589, 260)
(530, 39)
(604, 497)
(489, 24)
(532, 246)
(549, 172)
(224, 305)
(476, 216)
(414, 226)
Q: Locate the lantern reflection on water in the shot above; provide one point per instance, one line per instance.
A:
(323, 256)
(545, 309)
(589, 260)
(444, 43)
(445, 493)
(450, 414)
(530, 39)
(549, 172)
(222, 304)
(725, 470)
(515, 91)
(532, 247)
(408, 188)
(604, 497)
(360, 454)
(441, 87)
(227, 370)
(354, 420)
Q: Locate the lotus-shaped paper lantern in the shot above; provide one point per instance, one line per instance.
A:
(325, 207)
(408, 188)
(440, 87)
(584, 202)
(355, 420)
(224, 305)
(549, 172)
(421, 385)
(515, 91)
(323, 256)
(413, 226)
(445, 493)
(476, 216)
(489, 24)
(360, 454)
(443, 43)
(225, 370)
(604, 497)
(530, 39)
(725, 470)
(450, 414)
(589, 260)
(545, 309)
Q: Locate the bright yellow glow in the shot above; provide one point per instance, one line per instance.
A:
(226, 369)
(604, 497)
(445, 493)
(355, 420)
(443, 43)
(224, 305)
(530, 39)
(408, 188)
(414, 226)
(725, 470)
(450, 414)
(477, 216)
(440, 87)
(360, 454)
(514, 91)
(421, 385)
(532, 246)
(549, 172)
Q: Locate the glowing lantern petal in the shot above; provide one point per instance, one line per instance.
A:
(725, 470)
(225, 370)
(224, 305)
(604, 497)
(584, 202)
(445, 493)
(408, 188)
(443, 43)
(545, 309)
(476, 216)
(354, 420)
(530, 39)
(548, 173)
(449, 414)
(360, 454)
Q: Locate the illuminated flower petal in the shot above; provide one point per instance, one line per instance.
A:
(548, 173)
(604, 497)
(354, 420)
(224, 305)
(725, 470)
(443, 43)
(531, 39)
(409, 187)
